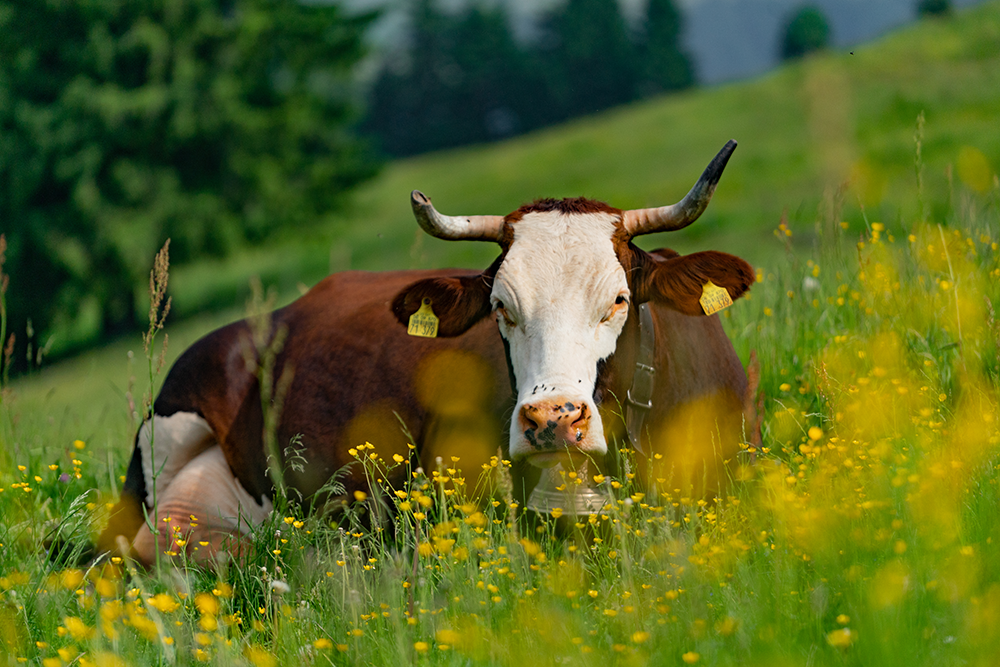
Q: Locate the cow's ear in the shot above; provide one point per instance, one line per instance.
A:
(679, 282)
(457, 302)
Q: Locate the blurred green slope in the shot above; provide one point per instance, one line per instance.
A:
(838, 122)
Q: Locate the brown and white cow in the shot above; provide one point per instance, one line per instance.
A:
(535, 355)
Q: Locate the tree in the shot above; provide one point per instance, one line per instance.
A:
(461, 79)
(806, 31)
(592, 64)
(121, 124)
(933, 7)
(665, 66)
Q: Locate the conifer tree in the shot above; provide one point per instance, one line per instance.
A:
(665, 64)
(125, 123)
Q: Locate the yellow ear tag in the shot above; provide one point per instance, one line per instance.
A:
(424, 322)
(714, 298)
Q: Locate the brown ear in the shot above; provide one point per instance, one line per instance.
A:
(458, 303)
(678, 282)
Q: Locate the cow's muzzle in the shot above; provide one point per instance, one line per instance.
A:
(551, 430)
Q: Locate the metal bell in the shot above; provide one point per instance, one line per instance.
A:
(556, 490)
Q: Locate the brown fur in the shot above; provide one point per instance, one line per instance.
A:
(569, 206)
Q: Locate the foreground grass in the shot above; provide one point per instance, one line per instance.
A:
(866, 533)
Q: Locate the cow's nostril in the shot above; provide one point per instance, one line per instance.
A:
(529, 417)
(584, 415)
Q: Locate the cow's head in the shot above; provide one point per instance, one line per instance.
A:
(565, 282)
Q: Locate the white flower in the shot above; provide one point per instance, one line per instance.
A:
(280, 587)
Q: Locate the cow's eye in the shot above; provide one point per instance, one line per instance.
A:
(621, 301)
(501, 310)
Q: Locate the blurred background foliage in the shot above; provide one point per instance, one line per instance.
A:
(463, 77)
(124, 124)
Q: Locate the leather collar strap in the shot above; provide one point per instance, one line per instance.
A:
(639, 400)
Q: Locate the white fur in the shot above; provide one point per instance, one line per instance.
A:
(202, 511)
(209, 489)
(558, 283)
(168, 444)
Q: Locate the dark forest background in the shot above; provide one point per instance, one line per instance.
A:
(464, 78)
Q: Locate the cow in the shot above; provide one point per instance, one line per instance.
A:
(572, 338)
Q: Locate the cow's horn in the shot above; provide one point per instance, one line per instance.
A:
(453, 228)
(687, 210)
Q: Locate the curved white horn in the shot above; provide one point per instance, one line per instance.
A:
(453, 228)
(683, 213)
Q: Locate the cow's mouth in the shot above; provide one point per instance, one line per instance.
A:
(569, 459)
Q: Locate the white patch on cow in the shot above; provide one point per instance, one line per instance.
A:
(558, 286)
(168, 444)
(208, 487)
(204, 506)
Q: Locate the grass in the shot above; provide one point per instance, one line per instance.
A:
(867, 532)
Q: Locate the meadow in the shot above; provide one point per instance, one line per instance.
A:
(866, 531)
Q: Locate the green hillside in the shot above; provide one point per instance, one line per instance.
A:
(834, 128)
(803, 130)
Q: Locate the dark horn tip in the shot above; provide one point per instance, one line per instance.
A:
(713, 172)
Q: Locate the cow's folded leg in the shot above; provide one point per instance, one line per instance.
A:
(202, 512)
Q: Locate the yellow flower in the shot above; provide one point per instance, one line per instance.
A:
(447, 636)
(76, 627)
(841, 638)
(360, 496)
(79, 444)
(206, 604)
(640, 637)
(260, 657)
(163, 602)
(815, 433)
(690, 657)
(71, 579)
(421, 647)
(323, 644)
(397, 458)
(223, 590)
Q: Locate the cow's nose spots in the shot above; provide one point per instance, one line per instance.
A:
(554, 424)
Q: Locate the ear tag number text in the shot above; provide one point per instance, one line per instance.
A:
(424, 322)
(714, 298)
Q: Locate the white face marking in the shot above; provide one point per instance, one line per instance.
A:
(562, 300)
